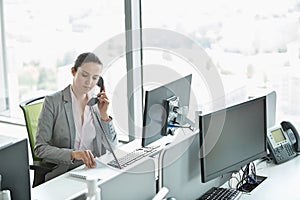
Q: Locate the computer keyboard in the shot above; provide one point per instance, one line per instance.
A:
(216, 193)
(133, 156)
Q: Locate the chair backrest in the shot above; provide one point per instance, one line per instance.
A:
(31, 110)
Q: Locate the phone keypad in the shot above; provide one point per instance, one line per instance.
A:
(289, 149)
(285, 152)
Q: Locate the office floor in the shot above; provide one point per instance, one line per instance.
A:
(17, 131)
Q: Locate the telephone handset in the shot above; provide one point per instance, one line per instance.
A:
(283, 142)
(94, 100)
(100, 83)
(292, 133)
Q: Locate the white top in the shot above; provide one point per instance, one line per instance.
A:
(85, 129)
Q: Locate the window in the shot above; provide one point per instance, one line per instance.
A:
(43, 39)
(254, 45)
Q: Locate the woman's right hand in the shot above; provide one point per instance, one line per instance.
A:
(86, 156)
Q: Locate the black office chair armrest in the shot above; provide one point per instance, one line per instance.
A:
(43, 166)
(40, 170)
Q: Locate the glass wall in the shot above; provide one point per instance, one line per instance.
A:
(43, 39)
(234, 49)
(254, 45)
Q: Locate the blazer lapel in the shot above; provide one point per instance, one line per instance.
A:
(69, 113)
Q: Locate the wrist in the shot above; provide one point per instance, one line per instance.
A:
(73, 155)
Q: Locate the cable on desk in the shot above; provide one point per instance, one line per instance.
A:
(232, 177)
(248, 175)
(266, 158)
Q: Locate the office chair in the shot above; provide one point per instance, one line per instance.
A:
(31, 110)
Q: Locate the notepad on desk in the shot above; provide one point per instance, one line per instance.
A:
(101, 171)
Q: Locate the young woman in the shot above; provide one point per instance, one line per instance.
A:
(70, 132)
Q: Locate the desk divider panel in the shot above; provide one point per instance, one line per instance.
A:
(180, 170)
(136, 183)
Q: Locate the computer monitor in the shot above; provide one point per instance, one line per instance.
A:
(164, 104)
(14, 167)
(232, 137)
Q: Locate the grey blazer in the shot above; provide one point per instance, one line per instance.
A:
(56, 130)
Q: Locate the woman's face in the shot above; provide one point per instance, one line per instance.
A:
(86, 77)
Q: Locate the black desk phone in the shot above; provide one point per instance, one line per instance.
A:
(283, 142)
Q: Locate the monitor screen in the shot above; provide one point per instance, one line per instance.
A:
(14, 167)
(155, 113)
(239, 140)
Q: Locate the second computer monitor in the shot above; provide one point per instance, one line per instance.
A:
(14, 167)
(157, 104)
(239, 140)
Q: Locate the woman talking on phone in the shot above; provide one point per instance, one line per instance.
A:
(71, 129)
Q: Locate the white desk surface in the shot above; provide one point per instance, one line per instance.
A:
(67, 187)
(282, 181)
(114, 186)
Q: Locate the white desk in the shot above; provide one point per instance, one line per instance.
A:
(282, 181)
(138, 180)
(67, 187)
(180, 173)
